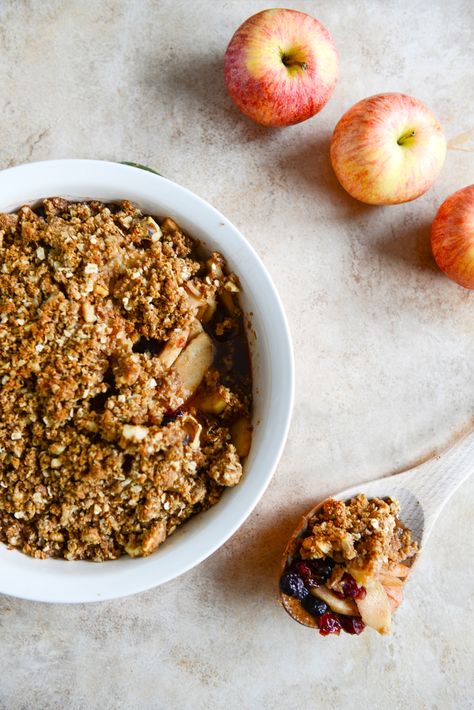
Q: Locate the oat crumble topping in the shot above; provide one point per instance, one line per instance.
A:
(125, 387)
(368, 534)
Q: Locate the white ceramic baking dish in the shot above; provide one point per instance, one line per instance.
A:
(273, 372)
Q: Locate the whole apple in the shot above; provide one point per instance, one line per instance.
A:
(452, 237)
(281, 67)
(387, 149)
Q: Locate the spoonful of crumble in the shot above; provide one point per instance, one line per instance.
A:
(346, 564)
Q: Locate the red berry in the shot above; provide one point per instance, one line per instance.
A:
(351, 624)
(303, 570)
(306, 573)
(329, 624)
(350, 588)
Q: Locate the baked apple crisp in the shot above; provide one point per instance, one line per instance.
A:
(347, 568)
(125, 396)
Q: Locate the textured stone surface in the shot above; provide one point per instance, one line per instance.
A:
(384, 348)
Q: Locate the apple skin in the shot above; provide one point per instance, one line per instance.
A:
(281, 67)
(452, 237)
(387, 149)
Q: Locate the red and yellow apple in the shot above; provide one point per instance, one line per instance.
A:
(387, 149)
(452, 237)
(281, 67)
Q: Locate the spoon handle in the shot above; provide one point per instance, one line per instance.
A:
(435, 481)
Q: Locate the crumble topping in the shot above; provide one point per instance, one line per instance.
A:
(366, 533)
(125, 387)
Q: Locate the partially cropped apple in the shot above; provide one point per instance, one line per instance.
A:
(387, 149)
(281, 67)
(452, 237)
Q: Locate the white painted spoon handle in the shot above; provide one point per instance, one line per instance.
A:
(434, 481)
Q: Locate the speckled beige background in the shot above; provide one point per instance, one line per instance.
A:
(384, 348)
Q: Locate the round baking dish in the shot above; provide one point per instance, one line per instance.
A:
(273, 375)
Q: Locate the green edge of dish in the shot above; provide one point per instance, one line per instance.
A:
(142, 167)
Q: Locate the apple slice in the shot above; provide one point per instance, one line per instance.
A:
(399, 570)
(375, 607)
(227, 301)
(340, 606)
(193, 363)
(393, 587)
(201, 300)
(210, 402)
(393, 604)
(395, 594)
(389, 580)
(208, 312)
(195, 328)
(174, 347)
(241, 433)
(196, 302)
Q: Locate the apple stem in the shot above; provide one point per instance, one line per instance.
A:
(289, 62)
(405, 136)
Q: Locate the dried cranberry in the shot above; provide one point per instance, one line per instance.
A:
(329, 624)
(350, 588)
(351, 624)
(305, 572)
(314, 572)
(293, 585)
(303, 569)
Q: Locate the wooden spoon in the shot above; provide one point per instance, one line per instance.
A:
(422, 492)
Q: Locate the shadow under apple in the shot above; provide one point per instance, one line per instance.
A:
(408, 244)
(308, 166)
(201, 79)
